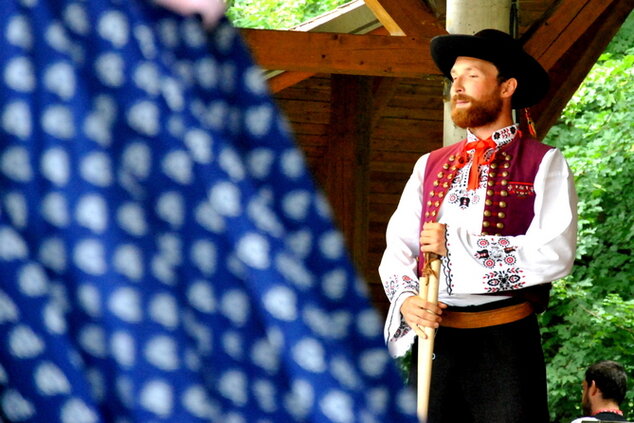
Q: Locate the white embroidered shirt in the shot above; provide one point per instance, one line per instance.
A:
(545, 253)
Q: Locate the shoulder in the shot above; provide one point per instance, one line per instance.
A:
(585, 419)
(536, 145)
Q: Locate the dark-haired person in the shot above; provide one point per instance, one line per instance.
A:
(500, 209)
(604, 388)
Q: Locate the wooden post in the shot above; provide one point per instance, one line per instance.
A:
(347, 160)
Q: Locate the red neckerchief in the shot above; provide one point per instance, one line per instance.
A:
(480, 147)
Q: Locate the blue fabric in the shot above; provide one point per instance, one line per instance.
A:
(164, 254)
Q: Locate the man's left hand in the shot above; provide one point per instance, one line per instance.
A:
(432, 238)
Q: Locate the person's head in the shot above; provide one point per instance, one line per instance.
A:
(605, 381)
(479, 93)
(490, 73)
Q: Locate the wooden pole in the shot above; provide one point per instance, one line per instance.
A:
(428, 291)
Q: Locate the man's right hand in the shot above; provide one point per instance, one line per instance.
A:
(418, 313)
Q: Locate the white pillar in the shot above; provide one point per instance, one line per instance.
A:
(469, 17)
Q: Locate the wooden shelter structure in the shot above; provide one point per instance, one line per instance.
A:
(365, 100)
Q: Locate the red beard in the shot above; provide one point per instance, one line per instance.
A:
(479, 112)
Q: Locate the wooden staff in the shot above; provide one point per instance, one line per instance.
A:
(428, 291)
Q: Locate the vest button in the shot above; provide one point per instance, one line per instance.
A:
(504, 182)
(488, 202)
(429, 203)
(505, 174)
(452, 158)
(441, 194)
(494, 165)
(440, 174)
(445, 166)
(492, 174)
(500, 225)
(486, 224)
(436, 183)
(501, 215)
(503, 204)
(490, 192)
(504, 193)
(487, 213)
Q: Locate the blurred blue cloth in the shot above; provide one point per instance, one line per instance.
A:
(164, 254)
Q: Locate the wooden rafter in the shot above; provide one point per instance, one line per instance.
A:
(406, 17)
(572, 37)
(565, 25)
(371, 55)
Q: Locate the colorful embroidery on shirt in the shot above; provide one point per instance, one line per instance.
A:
(492, 253)
(459, 194)
(507, 134)
(394, 285)
(504, 280)
(402, 330)
(446, 269)
(521, 189)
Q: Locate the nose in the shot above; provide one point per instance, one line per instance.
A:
(456, 85)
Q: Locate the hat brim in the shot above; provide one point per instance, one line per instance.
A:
(510, 59)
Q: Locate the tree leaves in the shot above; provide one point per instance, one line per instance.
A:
(591, 316)
(277, 14)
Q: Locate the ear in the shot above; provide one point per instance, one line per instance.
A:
(508, 87)
(593, 389)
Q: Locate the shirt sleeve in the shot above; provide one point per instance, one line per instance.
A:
(398, 265)
(478, 264)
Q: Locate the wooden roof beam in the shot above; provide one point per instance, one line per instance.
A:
(406, 17)
(563, 27)
(574, 35)
(371, 55)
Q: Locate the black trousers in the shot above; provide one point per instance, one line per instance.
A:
(489, 375)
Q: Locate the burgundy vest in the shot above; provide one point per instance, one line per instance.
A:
(510, 195)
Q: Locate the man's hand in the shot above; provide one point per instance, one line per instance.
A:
(418, 313)
(432, 238)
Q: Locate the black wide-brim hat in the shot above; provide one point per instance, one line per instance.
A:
(504, 52)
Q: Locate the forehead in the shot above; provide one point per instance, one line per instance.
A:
(472, 63)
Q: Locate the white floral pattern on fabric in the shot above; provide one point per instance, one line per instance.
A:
(165, 254)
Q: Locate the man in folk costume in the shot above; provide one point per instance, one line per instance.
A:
(499, 208)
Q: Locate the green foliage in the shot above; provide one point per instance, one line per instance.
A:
(592, 311)
(277, 14)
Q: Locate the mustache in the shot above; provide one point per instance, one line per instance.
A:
(461, 97)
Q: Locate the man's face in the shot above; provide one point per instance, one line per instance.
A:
(475, 93)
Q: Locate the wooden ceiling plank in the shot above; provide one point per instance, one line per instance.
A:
(371, 55)
(406, 17)
(383, 92)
